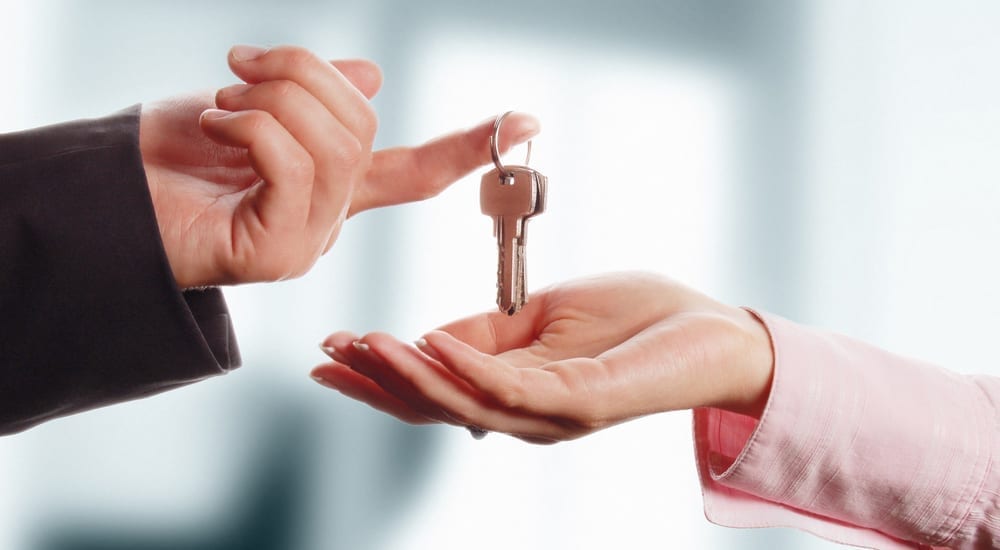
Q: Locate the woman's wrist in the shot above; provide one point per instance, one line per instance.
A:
(755, 361)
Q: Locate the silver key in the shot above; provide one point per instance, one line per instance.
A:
(541, 193)
(511, 196)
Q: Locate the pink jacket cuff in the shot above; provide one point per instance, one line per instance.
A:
(858, 446)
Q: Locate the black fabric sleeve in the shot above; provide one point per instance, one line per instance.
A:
(89, 311)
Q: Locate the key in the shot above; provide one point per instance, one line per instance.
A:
(508, 198)
(511, 197)
(542, 188)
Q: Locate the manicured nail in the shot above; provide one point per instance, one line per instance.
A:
(212, 114)
(234, 90)
(247, 53)
(333, 353)
(322, 381)
(426, 348)
(360, 346)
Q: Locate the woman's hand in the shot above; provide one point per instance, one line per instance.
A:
(255, 183)
(579, 357)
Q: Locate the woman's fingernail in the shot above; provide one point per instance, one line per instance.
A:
(247, 53)
(321, 381)
(426, 348)
(360, 346)
(234, 90)
(213, 114)
(334, 354)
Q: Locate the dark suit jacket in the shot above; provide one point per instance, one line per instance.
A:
(89, 310)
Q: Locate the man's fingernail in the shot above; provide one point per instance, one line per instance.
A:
(421, 342)
(234, 90)
(247, 53)
(529, 129)
(360, 346)
(213, 114)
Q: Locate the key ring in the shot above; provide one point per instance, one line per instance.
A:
(494, 142)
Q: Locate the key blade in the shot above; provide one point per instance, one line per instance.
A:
(508, 289)
(541, 194)
(522, 285)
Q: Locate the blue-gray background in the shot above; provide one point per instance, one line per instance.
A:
(832, 161)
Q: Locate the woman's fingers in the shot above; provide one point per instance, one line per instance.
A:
(530, 389)
(460, 400)
(496, 332)
(406, 174)
(351, 351)
(357, 386)
(421, 383)
(565, 379)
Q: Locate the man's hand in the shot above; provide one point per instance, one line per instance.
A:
(254, 184)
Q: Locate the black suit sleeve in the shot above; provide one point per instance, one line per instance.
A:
(89, 311)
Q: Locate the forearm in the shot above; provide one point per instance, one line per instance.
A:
(860, 436)
(90, 311)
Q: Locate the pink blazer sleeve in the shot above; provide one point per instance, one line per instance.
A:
(858, 446)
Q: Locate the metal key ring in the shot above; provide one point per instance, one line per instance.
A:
(494, 142)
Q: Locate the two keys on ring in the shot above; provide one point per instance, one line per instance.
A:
(511, 195)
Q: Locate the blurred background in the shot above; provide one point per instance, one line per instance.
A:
(833, 161)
